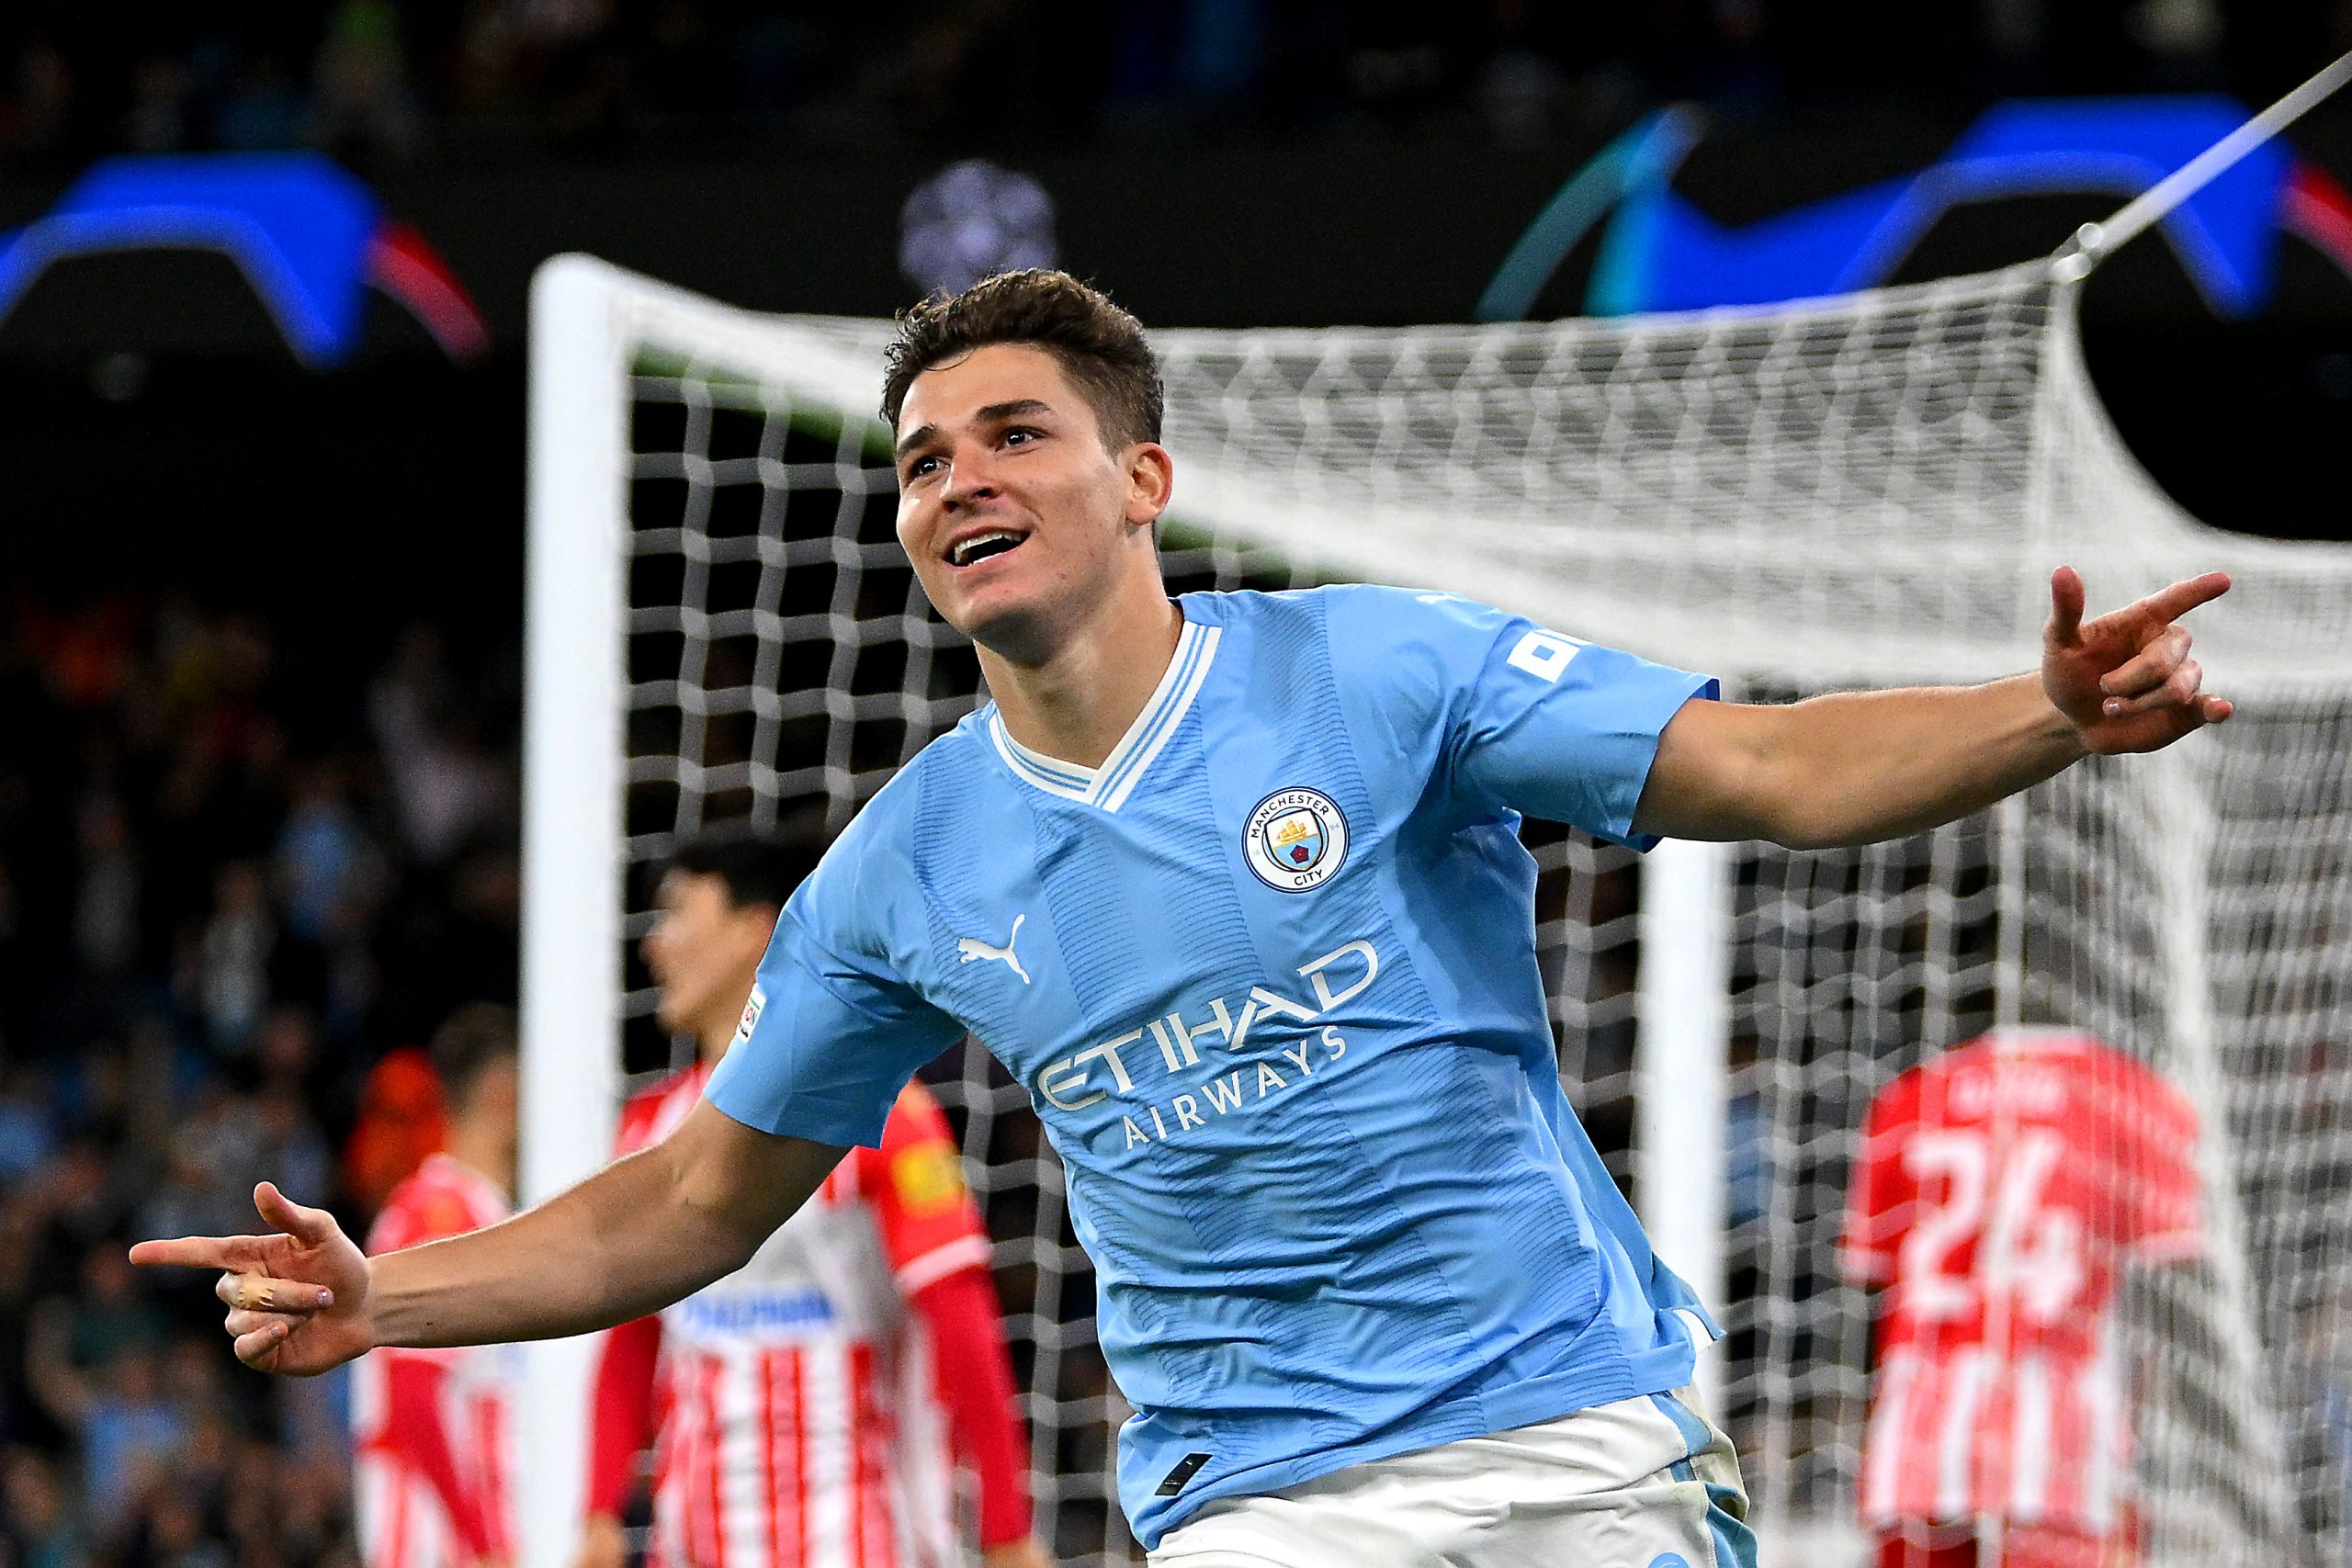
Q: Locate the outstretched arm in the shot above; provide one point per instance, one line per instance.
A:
(1857, 767)
(632, 1238)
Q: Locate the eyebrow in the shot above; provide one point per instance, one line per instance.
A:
(991, 414)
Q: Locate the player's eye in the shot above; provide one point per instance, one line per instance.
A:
(920, 466)
(1020, 435)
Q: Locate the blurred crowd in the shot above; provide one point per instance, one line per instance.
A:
(378, 81)
(231, 907)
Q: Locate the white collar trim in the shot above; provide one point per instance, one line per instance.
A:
(1108, 786)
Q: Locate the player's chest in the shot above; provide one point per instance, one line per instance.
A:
(1105, 957)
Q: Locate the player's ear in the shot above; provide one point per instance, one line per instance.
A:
(1151, 481)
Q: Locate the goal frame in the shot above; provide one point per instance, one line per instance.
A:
(586, 317)
(572, 848)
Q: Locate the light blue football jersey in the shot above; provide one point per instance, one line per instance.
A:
(1269, 975)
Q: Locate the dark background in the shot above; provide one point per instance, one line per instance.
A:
(1358, 165)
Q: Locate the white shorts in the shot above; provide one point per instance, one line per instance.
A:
(1645, 1482)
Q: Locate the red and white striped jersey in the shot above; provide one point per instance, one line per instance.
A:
(434, 1462)
(798, 1412)
(2001, 1186)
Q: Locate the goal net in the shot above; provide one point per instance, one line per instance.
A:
(1864, 490)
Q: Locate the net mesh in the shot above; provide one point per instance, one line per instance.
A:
(1869, 490)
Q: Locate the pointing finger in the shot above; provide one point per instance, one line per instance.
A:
(2065, 604)
(2171, 603)
(201, 1252)
(185, 1252)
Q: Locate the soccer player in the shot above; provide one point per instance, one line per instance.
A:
(2001, 1189)
(797, 1403)
(1234, 886)
(434, 1467)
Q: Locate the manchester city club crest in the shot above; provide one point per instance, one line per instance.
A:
(1296, 839)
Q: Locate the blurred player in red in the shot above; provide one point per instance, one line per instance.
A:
(804, 1412)
(2002, 1187)
(432, 1455)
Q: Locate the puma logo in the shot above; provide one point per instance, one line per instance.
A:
(971, 949)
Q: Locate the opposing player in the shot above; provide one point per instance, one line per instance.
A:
(1234, 887)
(2002, 1187)
(808, 1408)
(433, 1448)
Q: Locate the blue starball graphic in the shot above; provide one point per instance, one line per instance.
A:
(1659, 252)
(1669, 1560)
(310, 237)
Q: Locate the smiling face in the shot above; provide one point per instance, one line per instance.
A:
(1020, 521)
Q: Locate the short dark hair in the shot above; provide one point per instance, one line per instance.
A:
(1101, 347)
(755, 865)
(472, 1040)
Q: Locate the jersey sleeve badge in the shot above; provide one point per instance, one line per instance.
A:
(927, 1179)
(751, 1017)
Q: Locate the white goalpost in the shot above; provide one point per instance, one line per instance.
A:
(1869, 490)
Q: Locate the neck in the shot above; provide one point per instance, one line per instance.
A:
(1074, 702)
(483, 1148)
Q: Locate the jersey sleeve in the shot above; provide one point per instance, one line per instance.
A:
(832, 1032)
(930, 1227)
(621, 1410)
(975, 1382)
(1880, 1197)
(1526, 719)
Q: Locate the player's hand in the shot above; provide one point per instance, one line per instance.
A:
(1026, 1553)
(602, 1544)
(297, 1300)
(2125, 680)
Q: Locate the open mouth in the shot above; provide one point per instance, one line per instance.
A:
(981, 547)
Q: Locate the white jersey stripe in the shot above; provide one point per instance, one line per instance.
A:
(674, 1459)
(926, 1471)
(771, 1483)
(827, 1484)
(2102, 1408)
(713, 1533)
(383, 1514)
(800, 1455)
(2031, 1415)
(742, 1497)
(964, 1252)
(727, 1425)
(1956, 1449)
(861, 1486)
(1887, 1441)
